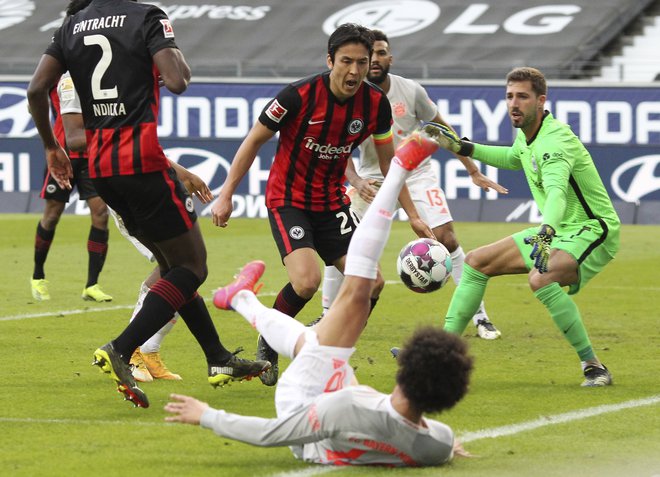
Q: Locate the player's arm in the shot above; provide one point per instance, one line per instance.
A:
(44, 78)
(294, 429)
(193, 183)
(74, 131)
(364, 187)
(475, 174)
(247, 152)
(502, 157)
(385, 152)
(174, 71)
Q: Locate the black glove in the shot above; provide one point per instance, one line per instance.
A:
(541, 247)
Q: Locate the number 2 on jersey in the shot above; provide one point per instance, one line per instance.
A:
(101, 67)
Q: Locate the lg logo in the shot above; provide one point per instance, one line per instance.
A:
(404, 17)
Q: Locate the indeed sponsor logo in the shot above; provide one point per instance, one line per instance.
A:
(327, 151)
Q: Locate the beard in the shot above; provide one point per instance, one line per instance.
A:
(379, 77)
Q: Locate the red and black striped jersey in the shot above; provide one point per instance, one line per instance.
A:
(58, 127)
(318, 133)
(108, 48)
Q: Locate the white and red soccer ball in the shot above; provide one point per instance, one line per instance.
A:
(424, 265)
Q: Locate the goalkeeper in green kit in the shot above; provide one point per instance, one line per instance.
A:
(580, 231)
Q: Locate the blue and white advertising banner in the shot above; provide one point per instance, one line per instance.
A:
(203, 128)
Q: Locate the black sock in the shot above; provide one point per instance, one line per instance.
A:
(42, 241)
(165, 297)
(200, 324)
(97, 249)
(288, 301)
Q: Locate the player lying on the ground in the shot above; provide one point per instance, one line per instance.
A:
(322, 414)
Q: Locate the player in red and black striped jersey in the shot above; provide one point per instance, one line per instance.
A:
(117, 52)
(321, 120)
(65, 107)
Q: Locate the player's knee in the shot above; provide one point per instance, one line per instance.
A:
(538, 280)
(306, 286)
(50, 219)
(476, 260)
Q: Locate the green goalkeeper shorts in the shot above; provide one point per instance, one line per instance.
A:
(583, 242)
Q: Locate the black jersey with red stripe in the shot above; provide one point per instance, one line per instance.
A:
(108, 48)
(318, 133)
(58, 127)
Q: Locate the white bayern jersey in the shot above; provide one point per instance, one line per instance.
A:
(411, 106)
(356, 425)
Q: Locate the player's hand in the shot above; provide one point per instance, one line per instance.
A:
(59, 166)
(421, 228)
(444, 136)
(185, 409)
(197, 187)
(486, 184)
(366, 190)
(221, 211)
(540, 243)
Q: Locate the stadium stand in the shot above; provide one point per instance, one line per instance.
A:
(435, 39)
(637, 60)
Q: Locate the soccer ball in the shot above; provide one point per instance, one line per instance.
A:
(424, 265)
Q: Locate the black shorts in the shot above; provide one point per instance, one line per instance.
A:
(81, 180)
(329, 233)
(153, 205)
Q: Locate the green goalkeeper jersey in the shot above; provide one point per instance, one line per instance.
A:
(561, 175)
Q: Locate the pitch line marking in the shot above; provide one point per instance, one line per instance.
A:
(492, 433)
(124, 307)
(512, 429)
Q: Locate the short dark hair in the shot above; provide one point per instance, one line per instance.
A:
(76, 5)
(527, 73)
(380, 36)
(434, 369)
(350, 33)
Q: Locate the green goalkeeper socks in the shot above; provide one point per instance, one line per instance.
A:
(566, 316)
(466, 299)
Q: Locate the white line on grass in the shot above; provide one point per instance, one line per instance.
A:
(465, 437)
(556, 419)
(125, 307)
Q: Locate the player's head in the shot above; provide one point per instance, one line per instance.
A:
(381, 58)
(349, 33)
(526, 92)
(76, 5)
(434, 369)
(349, 53)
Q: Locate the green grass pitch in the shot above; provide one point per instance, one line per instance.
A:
(525, 413)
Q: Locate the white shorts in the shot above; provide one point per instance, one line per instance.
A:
(136, 243)
(428, 197)
(315, 370)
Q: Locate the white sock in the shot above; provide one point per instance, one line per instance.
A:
(144, 289)
(457, 260)
(369, 239)
(332, 280)
(279, 330)
(152, 345)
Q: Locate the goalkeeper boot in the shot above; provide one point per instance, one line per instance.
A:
(110, 362)
(94, 293)
(246, 279)
(486, 330)
(40, 289)
(157, 367)
(265, 352)
(414, 149)
(138, 368)
(235, 369)
(595, 376)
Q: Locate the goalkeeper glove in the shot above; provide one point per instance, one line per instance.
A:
(541, 247)
(447, 139)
